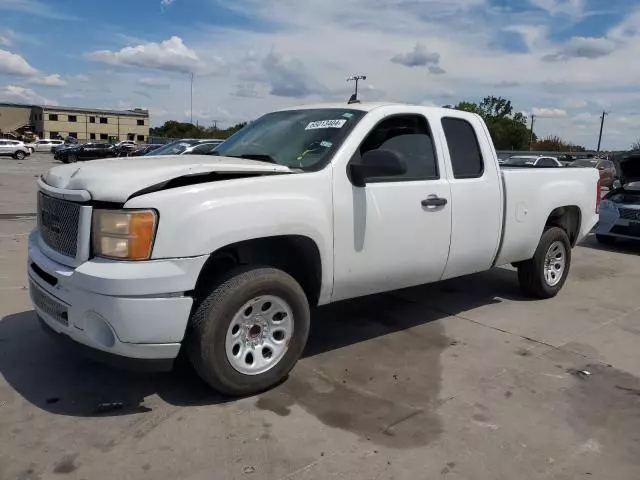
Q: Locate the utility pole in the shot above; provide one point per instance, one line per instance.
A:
(355, 78)
(601, 127)
(533, 119)
(191, 98)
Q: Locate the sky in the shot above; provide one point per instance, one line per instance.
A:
(565, 61)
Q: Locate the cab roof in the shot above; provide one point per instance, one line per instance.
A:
(362, 106)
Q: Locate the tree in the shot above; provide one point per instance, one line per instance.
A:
(508, 130)
(174, 129)
(636, 145)
(553, 143)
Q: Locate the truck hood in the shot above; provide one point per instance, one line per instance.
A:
(118, 179)
(629, 168)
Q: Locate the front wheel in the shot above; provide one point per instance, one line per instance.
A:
(19, 155)
(72, 158)
(249, 331)
(544, 275)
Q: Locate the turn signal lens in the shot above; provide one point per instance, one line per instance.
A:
(124, 234)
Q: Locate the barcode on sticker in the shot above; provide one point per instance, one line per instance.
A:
(326, 124)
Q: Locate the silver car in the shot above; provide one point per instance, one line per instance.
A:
(620, 208)
(14, 148)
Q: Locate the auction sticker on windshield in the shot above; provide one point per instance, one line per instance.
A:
(326, 124)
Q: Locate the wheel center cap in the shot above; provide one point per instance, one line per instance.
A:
(254, 331)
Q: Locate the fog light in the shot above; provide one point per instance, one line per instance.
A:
(99, 330)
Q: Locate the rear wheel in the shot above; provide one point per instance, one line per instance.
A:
(544, 275)
(249, 331)
(19, 155)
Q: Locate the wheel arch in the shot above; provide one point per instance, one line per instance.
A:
(568, 218)
(297, 255)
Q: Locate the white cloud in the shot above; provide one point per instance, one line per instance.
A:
(79, 78)
(288, 77)
(53, 80)
(249, 90)
(310, 47)
(583, 47)
(164, 4)
(153, 82)
(419, 56)
(572, 8)
(14, 64)
(533, 36)
(549, 112)
(507, 84)
(574, 103)
(6, 38)
(13, 93)
(171, 55)
(35, 8)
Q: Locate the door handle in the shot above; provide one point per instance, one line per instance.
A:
(434, 201)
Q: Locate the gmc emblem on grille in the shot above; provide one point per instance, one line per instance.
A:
(50, 221)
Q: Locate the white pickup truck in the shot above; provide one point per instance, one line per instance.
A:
(134, 259)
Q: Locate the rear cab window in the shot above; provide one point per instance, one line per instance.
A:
(464, 148)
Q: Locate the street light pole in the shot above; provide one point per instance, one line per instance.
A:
(191, 98)
(601, 128)
(533, 119)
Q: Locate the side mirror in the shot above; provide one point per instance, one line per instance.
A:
(600, 167)
(376, 163)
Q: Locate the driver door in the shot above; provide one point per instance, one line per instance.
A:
(390, 234)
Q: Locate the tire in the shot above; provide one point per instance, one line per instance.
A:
(605, 239)
(531, 273)
(19, 155)
(211, 342)
(71, 159)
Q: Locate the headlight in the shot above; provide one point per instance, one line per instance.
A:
(124, 234)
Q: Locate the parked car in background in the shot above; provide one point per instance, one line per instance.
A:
(140, 151)
(180, 146)
(531, 161)
(205, 148)
(606, 168)
(87, 151)
(14, 148)
(45, 145)
(125, 147)
(620, 208)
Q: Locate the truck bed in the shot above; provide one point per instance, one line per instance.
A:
(531, 194)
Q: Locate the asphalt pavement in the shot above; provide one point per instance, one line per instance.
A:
(465, 379)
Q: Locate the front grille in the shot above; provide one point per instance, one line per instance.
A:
(47, 304)
(630, 213)
(58, 224)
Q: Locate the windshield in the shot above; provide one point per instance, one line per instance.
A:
(585, 163)
(173, 148)
(519, 161)
(294, 138)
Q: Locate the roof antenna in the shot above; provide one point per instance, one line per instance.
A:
(355, 78)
